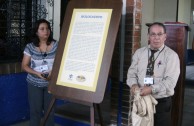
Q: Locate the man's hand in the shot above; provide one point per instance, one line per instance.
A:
(134, 88)
(146, 90)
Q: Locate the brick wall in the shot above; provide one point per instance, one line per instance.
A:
(120, 91)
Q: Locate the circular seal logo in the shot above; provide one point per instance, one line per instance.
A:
(80, 78)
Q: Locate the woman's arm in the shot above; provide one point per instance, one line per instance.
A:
(26, 66)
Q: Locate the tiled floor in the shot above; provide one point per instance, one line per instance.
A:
(188, 109)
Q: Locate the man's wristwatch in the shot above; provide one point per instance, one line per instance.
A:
(153, 90)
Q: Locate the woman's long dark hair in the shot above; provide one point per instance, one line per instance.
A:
(35, 39)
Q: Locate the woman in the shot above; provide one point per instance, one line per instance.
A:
(37, 62)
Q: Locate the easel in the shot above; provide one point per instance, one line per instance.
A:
(92, 106)
(112, 13)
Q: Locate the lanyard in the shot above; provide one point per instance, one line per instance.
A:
(43, 56)
(150, 66)
(157, 55)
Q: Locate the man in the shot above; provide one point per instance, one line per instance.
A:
(155, 70)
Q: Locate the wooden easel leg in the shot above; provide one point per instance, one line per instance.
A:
(46, 115)
(99, 114)
(92, 120)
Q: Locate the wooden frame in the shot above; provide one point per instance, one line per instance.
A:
(78, 95)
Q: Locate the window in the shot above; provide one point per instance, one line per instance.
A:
(16, 22)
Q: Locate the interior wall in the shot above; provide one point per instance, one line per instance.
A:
(157, 10)
(184, 11)
(185, 16)
(191, 24)
(165, 10)
(191, 33)
(57, 17)
(147, 17)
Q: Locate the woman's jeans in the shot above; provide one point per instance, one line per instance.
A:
(39, 100)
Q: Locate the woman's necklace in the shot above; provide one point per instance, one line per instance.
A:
(43, 54)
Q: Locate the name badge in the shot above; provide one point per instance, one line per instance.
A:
(44, 68)
(148, 80)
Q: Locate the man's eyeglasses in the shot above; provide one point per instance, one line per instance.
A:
(154, 34)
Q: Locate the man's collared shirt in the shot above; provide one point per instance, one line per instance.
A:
(166, 70)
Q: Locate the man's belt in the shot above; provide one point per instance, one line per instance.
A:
(164, 99)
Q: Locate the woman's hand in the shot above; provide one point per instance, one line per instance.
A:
(40, 75)
(49, 76)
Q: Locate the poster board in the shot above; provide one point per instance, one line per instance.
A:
(82, 56)
(85, 49)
